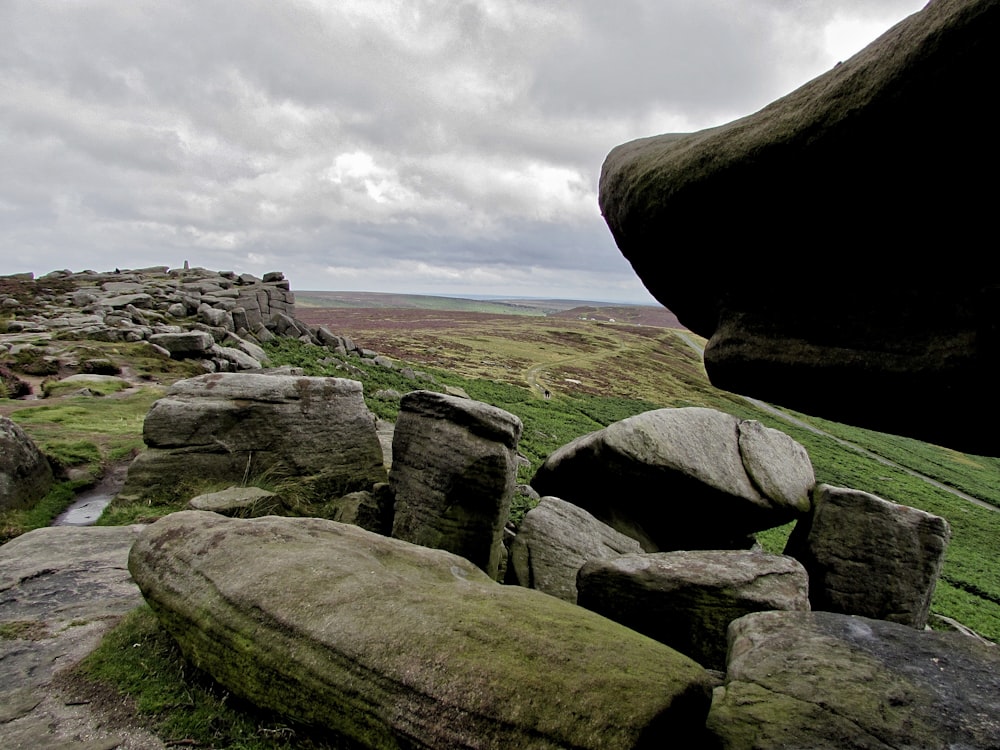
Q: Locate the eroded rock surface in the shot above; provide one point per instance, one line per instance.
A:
(61, 590)
(688, 599)
(25, 473)
(867, 556)
(827, 681)
(862, 337)
(553, 542)
(238, 427)
(683, 478)
(396, 645)
(454, 469)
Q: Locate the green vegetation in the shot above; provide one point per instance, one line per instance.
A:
(971, 590)
(13, 523)
(179, 703)
(53, 388)
(112, 425)
(595, 373)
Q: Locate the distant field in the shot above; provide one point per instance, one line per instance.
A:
(575, 351)
(653, 315)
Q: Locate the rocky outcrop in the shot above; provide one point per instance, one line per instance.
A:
(394, 645)
(217, 318)
(688, 599)
(553, 542)
(225, 428)
(690, 478)
(61, 590)
(867, 556)
(454, 468)
(25, 473)
(838, 165)
(827, 681)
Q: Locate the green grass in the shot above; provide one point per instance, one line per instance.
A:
(113, 425)
(97, 388)
(13, 523)
(177, 702)
(650, 370)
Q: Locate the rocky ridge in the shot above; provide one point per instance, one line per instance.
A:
(218, 319)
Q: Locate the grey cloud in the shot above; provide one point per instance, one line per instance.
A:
(146, 132)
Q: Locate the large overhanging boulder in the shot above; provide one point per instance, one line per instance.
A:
(395, 645)
(862, 200)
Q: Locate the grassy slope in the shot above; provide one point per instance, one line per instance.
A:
(597, 373)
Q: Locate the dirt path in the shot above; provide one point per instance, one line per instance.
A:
(533, 375)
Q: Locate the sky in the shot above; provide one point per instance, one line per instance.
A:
(437, 147)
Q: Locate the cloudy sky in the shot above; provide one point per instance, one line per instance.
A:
(426, 146)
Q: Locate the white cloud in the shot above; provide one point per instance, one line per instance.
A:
(432, 143)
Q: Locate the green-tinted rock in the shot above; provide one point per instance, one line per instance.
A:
(827, 681)
(395, 645)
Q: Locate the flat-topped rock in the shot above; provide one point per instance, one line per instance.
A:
(827, 681)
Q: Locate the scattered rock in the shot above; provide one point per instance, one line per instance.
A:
(233, 427)
(553, 542)
(25, 473)
(371, 511)
(238, 502)
(683, 478)
(828, 681)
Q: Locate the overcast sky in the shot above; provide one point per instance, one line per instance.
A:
(425, 146)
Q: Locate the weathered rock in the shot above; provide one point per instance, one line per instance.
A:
(683, 478)
(237, 358)
(230, 427)
(395, 645)
(867, 556)
(215, 317)
(25, 473)
(454, 467)
(554, 540)
(687, 599)
(839, 162)
(186, 344)
(238, 502)
(371, 511)
(827, 681)
(61, 590)
(142, 300)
